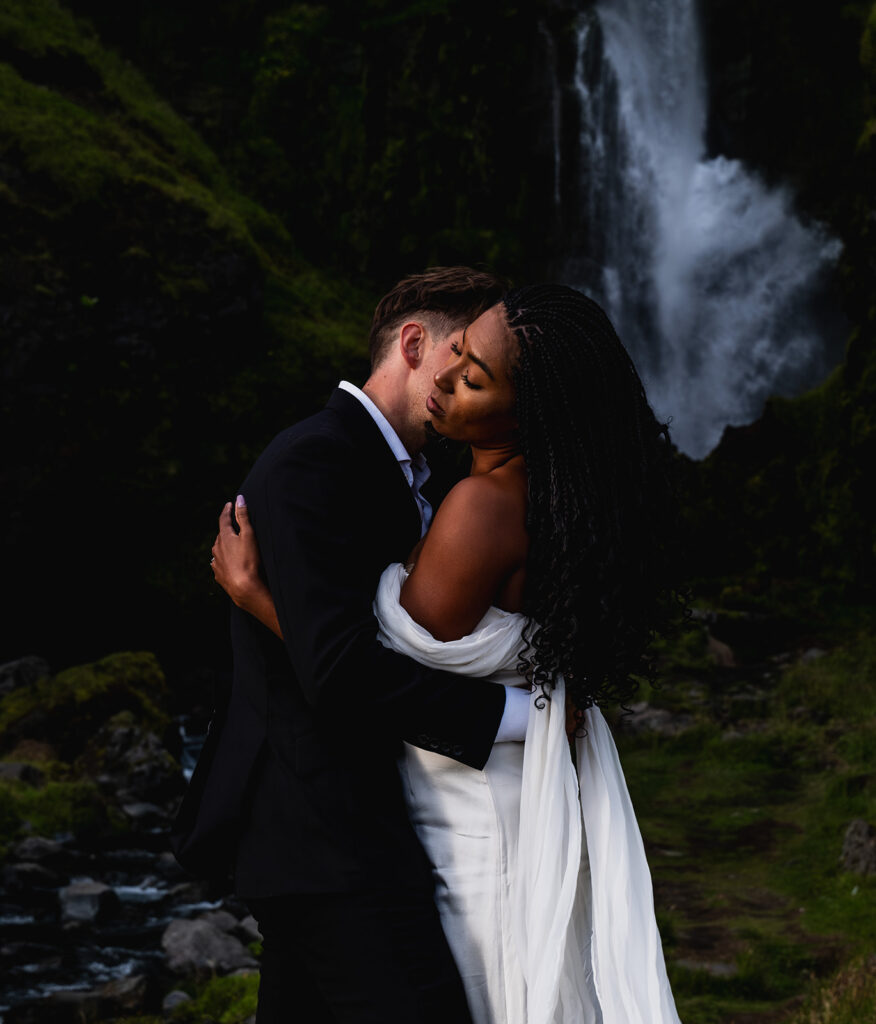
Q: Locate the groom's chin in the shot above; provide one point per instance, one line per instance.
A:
(434, 439)
(431, 433)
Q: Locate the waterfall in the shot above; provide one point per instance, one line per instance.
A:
(709, 276)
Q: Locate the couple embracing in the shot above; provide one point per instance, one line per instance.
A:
(411, 780)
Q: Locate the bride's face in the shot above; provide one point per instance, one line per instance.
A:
(473, 397)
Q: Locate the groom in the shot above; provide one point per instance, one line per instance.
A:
(297, 790)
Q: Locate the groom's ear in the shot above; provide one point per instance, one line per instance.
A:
(412, 342)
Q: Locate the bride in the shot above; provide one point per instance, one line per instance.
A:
(549, 566)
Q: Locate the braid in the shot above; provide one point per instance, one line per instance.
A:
(601, 509)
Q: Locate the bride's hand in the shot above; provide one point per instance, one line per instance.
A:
(236, 563)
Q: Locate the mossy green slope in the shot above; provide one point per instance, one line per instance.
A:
(158, 328)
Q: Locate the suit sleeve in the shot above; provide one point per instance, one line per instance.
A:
(313, 544)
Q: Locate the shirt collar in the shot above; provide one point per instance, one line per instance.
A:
(418, 462)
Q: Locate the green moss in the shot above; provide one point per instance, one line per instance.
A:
(67, 709)
(227, 1000)
(47, 32)
(57, 807)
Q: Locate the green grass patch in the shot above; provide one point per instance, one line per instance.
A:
(744, 824)
(849, 997)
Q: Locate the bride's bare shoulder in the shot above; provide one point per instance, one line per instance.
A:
(475, 544)
(502, 491)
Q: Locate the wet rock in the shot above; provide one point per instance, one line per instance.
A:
(199, 948)
(646, 719)
(124, 996)
(812, 654)
(190, 892)
(88, 901)
(174, 999)
(145, 815)
(248, 930)
(167, 867)
(22, 672)
(39, 850)
(137, 761)
(82, 699)
(13, 771)
(25, 877)
(859, 848)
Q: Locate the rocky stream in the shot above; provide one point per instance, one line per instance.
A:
(97, 918)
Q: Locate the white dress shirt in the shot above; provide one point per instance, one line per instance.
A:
(415, 469)
(512, 728)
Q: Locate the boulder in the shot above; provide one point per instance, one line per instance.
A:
(22, 672)
(199, 948)
(220, 919)
(859, 848)
(135, 762)
(67, 710)
(87, 901)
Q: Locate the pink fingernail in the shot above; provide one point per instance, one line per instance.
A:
(241, 501)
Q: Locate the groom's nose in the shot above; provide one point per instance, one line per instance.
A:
(443, 378)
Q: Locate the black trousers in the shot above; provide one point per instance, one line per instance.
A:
(356, 958)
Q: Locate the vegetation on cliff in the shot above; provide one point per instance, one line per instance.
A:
(158, 327)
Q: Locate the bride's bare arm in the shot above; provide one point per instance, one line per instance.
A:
(236, 566)
(475, 544)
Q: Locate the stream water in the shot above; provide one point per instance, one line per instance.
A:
(43, 952)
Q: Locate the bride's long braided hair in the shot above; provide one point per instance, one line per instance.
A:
(601, 506)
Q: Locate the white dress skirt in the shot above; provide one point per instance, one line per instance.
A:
(541, 879)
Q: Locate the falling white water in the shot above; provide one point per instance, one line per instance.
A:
(708, 275)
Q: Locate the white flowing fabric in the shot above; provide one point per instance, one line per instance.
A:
(541, 878)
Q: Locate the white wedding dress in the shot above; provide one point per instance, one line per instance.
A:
(541, 879)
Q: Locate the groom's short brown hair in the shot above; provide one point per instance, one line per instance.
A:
(448, 297)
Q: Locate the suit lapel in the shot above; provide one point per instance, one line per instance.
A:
(387, 483)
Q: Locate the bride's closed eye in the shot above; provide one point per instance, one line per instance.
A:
(468, 383)
(455, 349)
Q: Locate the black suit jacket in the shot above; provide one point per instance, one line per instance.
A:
(297, 786)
